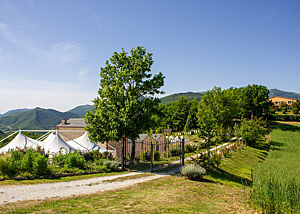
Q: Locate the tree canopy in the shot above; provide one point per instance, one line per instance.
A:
(125, 102)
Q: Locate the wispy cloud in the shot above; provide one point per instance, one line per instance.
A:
(64, 52)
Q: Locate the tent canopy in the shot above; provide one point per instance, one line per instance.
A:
(83, 143)
(53, 143)
(20, 141)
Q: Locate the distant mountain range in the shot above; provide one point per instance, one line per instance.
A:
(280, 93)
(81, 110)
(39, 118)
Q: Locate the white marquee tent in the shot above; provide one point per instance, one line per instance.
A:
(53, 143)
(20, 141)
(83, 143)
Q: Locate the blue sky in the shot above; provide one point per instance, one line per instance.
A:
(51, 51)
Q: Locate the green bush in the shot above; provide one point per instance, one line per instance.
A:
(146, 155)
(27, 161)
(24, 162)
(58, 159)
(40, 166)
(251, 130)
(6, 167)
(74, 160)
(96, 155)
(193, 171)
(112, 165)
(284, 110)
(295, 110)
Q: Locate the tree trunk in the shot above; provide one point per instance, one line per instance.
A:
(132, 158)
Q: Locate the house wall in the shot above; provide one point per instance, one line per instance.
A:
(277, 100)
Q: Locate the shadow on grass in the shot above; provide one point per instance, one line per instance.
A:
(276, 145)
(286, 127)
(221, 174)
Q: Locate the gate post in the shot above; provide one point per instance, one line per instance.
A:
(123, 159)
(151, 157)
(182, 142)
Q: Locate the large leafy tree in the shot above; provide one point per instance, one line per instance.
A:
(254, 102)
(125, 102)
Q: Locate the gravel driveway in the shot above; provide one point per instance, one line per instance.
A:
(14, 193)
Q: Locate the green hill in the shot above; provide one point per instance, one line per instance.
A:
(81, 110)
(15, 111)
(34, 119)
(280, 93)
(189, 95)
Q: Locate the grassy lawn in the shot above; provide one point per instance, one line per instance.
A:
(223, 190)
(276, 186)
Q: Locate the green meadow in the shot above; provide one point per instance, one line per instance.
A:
(276, 185)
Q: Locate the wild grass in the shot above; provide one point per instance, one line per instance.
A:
(276, 185)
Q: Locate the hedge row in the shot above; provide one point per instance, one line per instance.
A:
(286, 117)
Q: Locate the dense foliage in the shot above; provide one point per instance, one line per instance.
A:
(30, 163)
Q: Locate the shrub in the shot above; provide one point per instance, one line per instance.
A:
(74, 160)
(58, 159)
(216, 159)
(193, 171)
(251, 130)
(112, 165)
(40, 166)
(27, 161)
(286, 117)
(284, 110)
(146, 155)
(6, 167)
(295, 110)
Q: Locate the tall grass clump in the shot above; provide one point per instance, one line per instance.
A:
(276, 182)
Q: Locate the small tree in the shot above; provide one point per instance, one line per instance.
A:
(251, 130)
(296, 107)
(283, 106)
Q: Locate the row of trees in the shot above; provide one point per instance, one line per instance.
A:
(221, 107)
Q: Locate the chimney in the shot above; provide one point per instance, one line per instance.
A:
(63, 122)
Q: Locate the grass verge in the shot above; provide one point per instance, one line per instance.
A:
(276, 186)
